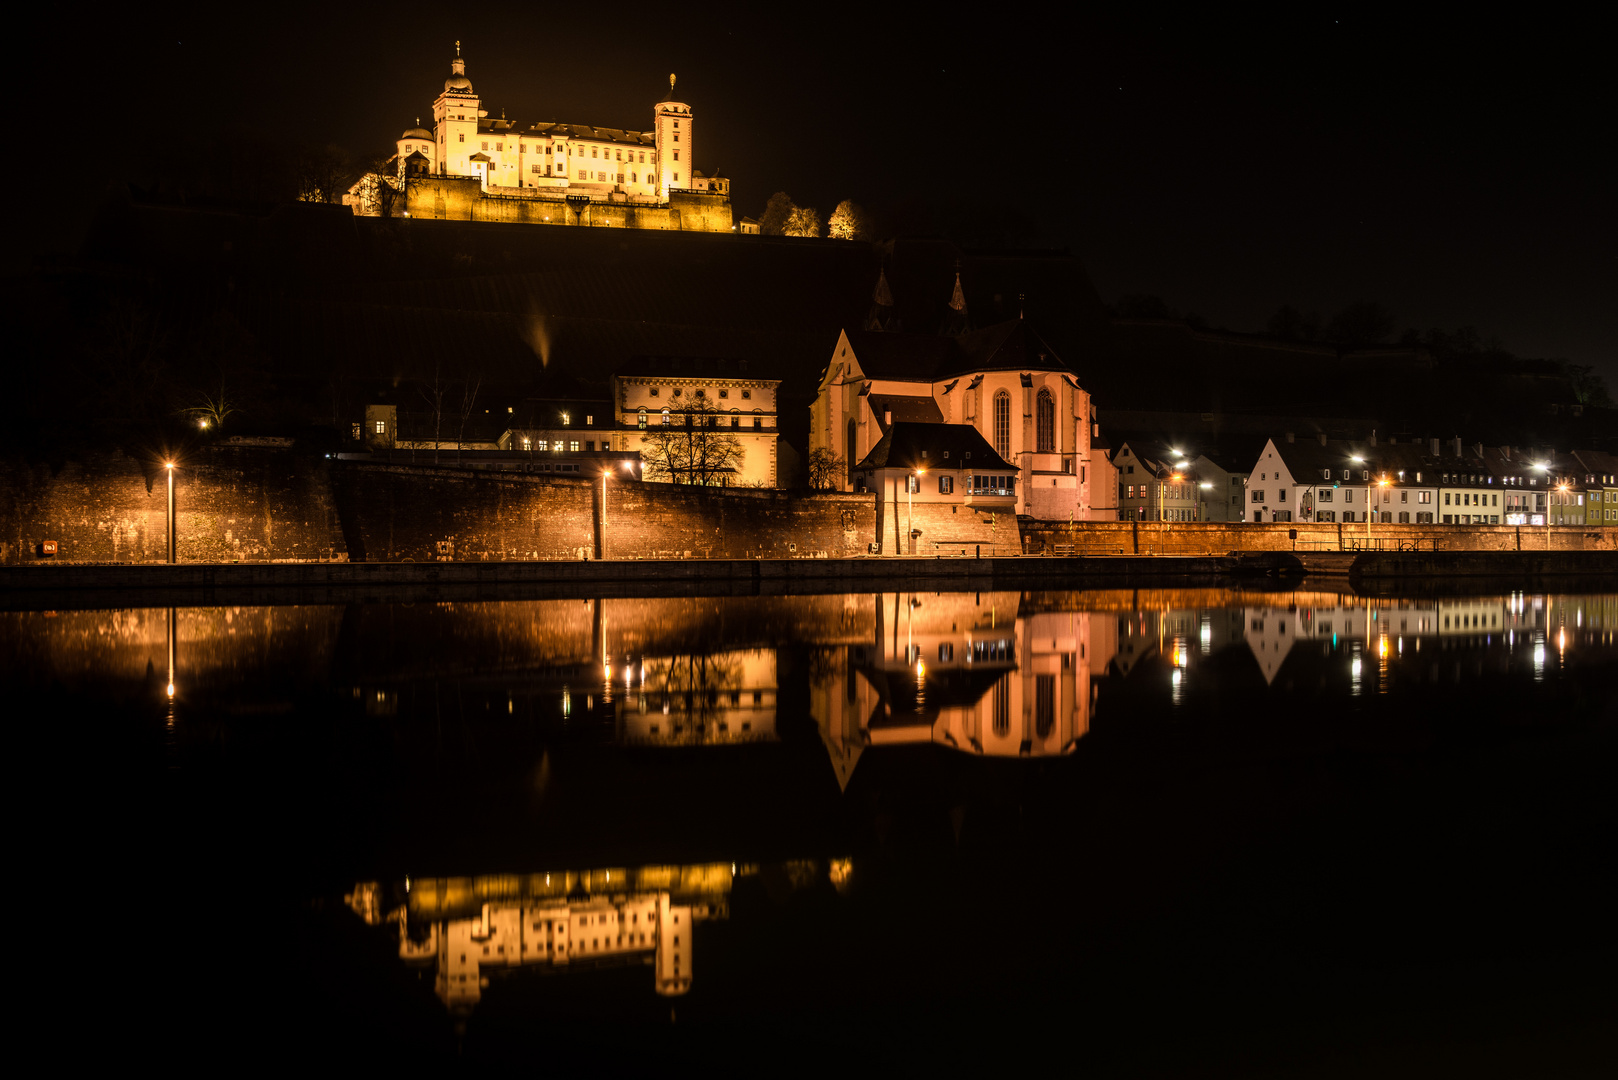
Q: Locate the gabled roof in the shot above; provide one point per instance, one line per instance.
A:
(906, 408)
(911, 445)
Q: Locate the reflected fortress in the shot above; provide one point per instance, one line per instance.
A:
(466, 927)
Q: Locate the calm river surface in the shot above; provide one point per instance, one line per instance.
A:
(1132, 832)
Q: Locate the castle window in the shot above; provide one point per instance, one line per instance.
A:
(535, 168)
(747, 394)
(632, 178)
(676, 177)
(1045, 421)
(522, 148)
(676, 155)
(619, 155)
(593, 152)
(485, 146)
(678, 391)
(498, 145)
(641, 420)
(643, 158)
(665, 416)
(724, 393)
(461, 137)
(620, 178)
(549, 150)
(676, 136)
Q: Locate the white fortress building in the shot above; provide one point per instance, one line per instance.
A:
(473, 166)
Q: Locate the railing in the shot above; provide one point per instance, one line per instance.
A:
(1389, 543)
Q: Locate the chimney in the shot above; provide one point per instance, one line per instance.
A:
(1457, 446)
(1289, 437)
(887, 417)
(1322, 438)
(1436, 451)
(1478, 449)
(1373, 436)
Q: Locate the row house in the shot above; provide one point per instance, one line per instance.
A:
(1156, 484)
(1425, 482)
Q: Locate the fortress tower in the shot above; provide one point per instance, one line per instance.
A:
(455, 121)
(674, 142)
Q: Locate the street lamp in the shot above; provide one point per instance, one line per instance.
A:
(169, 465)
(1382, 483)
(1563, 489)
(910, 499)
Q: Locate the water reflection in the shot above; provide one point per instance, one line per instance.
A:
(468, 928)
(967, 671)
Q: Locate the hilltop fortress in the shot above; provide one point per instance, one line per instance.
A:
(474, 167)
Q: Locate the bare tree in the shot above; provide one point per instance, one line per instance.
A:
(212, 410)
(848, 222)
(469, 400)
(825, 470)
(805, 221)
(691, 447)
(433, 394)
(324, 173)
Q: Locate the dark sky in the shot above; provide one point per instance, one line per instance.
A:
(1459, 170)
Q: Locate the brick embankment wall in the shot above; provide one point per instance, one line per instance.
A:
(393, 513)
(1219, 538)
(231, 504)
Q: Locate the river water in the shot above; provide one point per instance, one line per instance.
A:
(1132, 832)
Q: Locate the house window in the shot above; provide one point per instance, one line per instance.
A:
(460, 138)
(747, 395)
(653, 392)
(946, 485)
(1002, 424)
(573, 445)
(665, 416)
(497, 146)
(381, 427)
(1045, 421)
(758, 421)
(641, 418)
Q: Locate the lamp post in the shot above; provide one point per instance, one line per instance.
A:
(170, 467)
(1562, 488)
(629, 467)
(910, 510)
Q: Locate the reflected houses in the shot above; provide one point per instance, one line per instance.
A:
(961, 670)
(696, 699)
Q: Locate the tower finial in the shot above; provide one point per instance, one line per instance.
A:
(457, 48)
(671, 84)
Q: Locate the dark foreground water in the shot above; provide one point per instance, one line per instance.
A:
(1179, 832)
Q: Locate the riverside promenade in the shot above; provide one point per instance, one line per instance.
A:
(782, 575)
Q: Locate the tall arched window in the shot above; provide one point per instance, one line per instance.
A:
(1001, 721)
(1002, 424)
(1045, 421)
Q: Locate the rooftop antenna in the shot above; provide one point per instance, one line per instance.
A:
(457, 49)
(1020, 298)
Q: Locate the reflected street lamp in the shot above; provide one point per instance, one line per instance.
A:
(170, 467)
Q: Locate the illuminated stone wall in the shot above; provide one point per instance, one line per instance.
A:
(947, 529)
(1218, 538)
(232, 504)
(396, 512)
(463, 199)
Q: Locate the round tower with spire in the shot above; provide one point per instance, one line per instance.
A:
(675, 143)
(455, 120)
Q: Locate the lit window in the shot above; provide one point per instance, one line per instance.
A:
(381, 427)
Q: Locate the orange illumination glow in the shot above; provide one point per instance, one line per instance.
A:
(171, 689)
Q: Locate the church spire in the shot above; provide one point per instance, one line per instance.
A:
(955, 319)
(882, 306)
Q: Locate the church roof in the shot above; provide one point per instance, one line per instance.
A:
(1008, 346)
(938, 446)
(906, 408)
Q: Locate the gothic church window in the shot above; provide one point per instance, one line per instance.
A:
(1002, 424)
(1045, 417)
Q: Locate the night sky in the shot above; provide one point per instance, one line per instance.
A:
(1456, 170)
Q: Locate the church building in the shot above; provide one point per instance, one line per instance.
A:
(1003, 380)
(473, 166)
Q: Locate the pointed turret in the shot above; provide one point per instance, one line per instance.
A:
(883, 315)
(955, 320)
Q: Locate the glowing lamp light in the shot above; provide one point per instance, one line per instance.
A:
(171, 689)
(629, 466)
(203, 423)
(1206, 485)
(168, 465)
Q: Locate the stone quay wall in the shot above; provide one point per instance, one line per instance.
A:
(1220, 537)
(232, 504)
(393, 513)
(456, 198)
